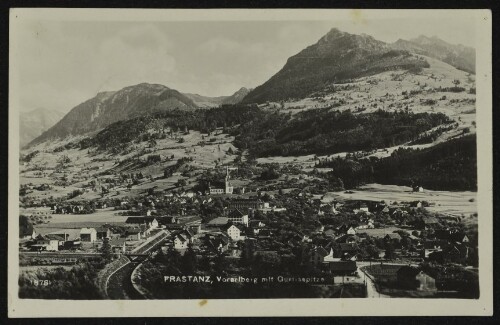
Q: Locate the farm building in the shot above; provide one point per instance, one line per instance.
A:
(413, 278)
(88, 235)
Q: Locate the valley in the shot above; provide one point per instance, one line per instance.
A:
(354, 151)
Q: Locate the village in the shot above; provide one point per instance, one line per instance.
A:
(372, 247)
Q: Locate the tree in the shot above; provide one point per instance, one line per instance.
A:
(173, 259)
(270, 173)
(181, 183)
(25, 226)
(106, 250)
(389, 251)
(189, 262)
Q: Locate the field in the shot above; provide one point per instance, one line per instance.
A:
(86, 165)
(379, 232)
(445, 202)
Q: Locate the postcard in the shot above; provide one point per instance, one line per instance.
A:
(249, 162)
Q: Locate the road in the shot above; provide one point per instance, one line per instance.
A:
(120, 284)
(371, 288)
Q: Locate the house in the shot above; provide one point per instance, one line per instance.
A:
(265, 233)
(363, 207)
(188, 194)
(351, 231)
(427, 223)
(150, 222)
(417, 204)
(432, 247)
(133, 234)
(348, 251)
(333, 208)
(459, 237)
(118, 245)
(342, 229)
(217, 244)
(77, 208)
(367, 225)
(181, 241)
(413, 278)
(343, 268)
(317, 255)
(71, 237)
(329, 233)
(234, 232)
(330, 257)
(44, 243)
(418, 189)
(88, 235)
(164, 220)
(236, 216)
(349, 239)
(456, 253)
(103, 232)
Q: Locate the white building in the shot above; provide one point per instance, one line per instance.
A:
(236, 216)
(234, 233)
(88, 235)
(180, 242)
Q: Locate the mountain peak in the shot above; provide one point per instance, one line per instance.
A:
(110, 107)
(336, 56)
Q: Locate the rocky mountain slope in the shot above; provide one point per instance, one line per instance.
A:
(35, 122)
(336, 57)
(459, 56)
(109, 107)
(339, 57)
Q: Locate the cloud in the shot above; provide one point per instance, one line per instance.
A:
(60, 62)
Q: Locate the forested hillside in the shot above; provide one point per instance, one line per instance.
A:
(450, 165)
(271, 133)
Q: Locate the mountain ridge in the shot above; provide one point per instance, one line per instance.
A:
(460, 56)
(33, 123)
(112, 106)
(335, 57)
(340, 56)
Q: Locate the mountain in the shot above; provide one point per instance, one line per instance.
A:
(237, 96)
(460, 56)
(205, 101)
(109, 107)
(35, 122)
(336, 57)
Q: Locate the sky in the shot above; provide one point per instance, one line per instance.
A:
(60, 64)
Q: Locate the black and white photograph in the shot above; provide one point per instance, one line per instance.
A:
(177, 156)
